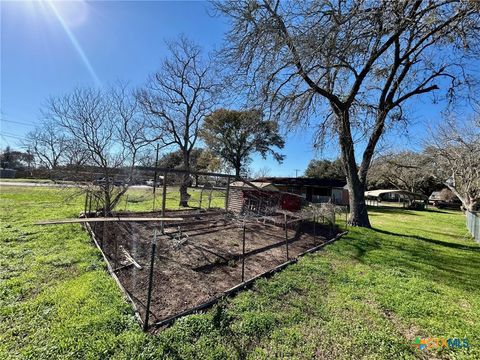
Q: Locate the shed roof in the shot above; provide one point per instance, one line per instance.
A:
(256, 184)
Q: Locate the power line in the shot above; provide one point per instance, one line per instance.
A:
(3, 133)
(16, 122)
(4, 139)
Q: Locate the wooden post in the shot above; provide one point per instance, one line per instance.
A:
(150, 280)
(155, 177)
(89, 202)
(201, 198)
(210, 198)
(286, 235)
(104, 225)
(243, 253)
(314, 229)
(227, 193)
(86, 203)
(333, 222)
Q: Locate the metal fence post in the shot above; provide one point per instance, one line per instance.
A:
(243, 253)
(155, 177)
(286, 235)
(150, 280)
(164, 197)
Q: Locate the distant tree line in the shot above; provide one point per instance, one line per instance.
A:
(15, 159)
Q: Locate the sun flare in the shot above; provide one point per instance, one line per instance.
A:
(70, 15)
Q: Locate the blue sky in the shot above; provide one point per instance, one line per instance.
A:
(47, 51)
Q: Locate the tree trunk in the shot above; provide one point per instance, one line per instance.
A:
(107, 206)
(184, 195)
(356, 188)
(468, 204)
(358, 208)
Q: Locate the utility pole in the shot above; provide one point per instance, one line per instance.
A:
(296, 172)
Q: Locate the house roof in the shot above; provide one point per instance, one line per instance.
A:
(303, 181)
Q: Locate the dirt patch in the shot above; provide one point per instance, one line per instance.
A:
(199, 258)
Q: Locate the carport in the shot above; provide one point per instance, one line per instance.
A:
(404, 197)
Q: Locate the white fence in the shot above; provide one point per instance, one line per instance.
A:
(473, 224)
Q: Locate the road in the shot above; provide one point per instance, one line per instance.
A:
(34, 184)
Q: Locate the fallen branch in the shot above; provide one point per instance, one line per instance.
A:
(130, 258)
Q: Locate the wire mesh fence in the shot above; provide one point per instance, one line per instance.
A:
(168, 268)
(202, 236)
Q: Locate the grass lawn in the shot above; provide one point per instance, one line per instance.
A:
(367, 296)
(142, 199)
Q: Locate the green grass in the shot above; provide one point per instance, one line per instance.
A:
(366, 296)
(142, 199)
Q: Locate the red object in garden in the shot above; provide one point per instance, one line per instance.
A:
(291, 202)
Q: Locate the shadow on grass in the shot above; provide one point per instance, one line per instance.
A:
(450, 264)
(432, 241)
(405, 211)
(438, 211)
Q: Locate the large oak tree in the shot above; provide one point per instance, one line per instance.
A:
(236, 135)
(349, 67)
(325, 169)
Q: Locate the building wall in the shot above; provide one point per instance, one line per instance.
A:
(7, 173)
(235, 200)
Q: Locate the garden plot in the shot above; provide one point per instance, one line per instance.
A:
(201, 257)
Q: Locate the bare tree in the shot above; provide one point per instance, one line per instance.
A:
(263, 172)
(131, 126)
(107, 126)
(75, 156)
(454, 151)
(350, 65)
(406, 170)
(178, 97)
(48, 144)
